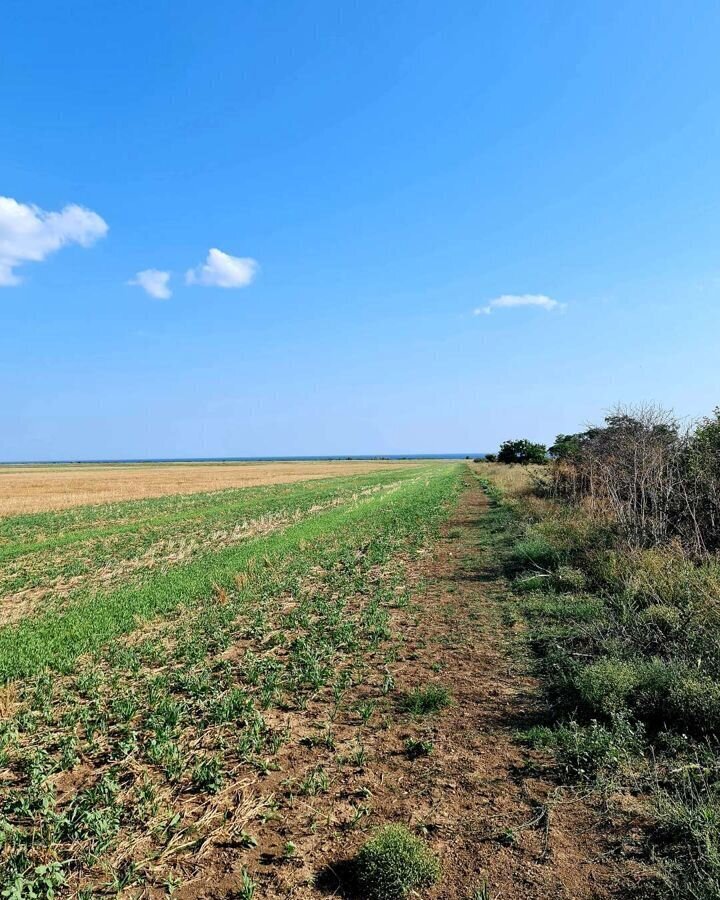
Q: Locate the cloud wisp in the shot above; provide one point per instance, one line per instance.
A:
(30, 234)
(154, 282)
(222, 270)
(507, 301)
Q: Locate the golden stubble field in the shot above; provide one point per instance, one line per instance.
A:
(31, 489)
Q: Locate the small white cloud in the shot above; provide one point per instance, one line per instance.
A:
(153, 282)
(29, 234)
(222, 270)
(510, 300)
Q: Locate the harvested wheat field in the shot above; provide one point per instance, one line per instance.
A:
(28, 489)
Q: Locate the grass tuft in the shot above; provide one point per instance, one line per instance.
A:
(393, 864)
(422, 701)
(414, 748)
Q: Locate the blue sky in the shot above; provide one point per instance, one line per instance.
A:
(376, 172)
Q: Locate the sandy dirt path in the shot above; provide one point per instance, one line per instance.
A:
(493, 809)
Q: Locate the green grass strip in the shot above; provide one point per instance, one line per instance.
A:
(21, 535)
(55, 640)
(88, 552)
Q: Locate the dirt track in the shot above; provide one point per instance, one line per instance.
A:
(496, 809)
(492, 810)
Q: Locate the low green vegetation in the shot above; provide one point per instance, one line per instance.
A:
(415, 748)
(393, 864)
(271, 521)
(623, 608)
(56, 556)
(421, 701)
(155, 720)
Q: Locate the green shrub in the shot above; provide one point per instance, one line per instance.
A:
(612, 686)
(563, 609)
(540, 737)
(393, 863)
(655, 691)
(522, 451)
(655, 680)
(665, 619)
(573, 535)
(208, 775)
(605, 686)
(694, 704)
(663, 576)
(564, 579)
(584, 751)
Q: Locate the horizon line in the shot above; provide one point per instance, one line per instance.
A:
(221, 459)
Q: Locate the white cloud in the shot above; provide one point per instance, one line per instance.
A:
(510, 300)
(29, 234)
(153, 282)
(222, 270)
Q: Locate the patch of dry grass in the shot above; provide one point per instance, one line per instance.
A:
(514, 481)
